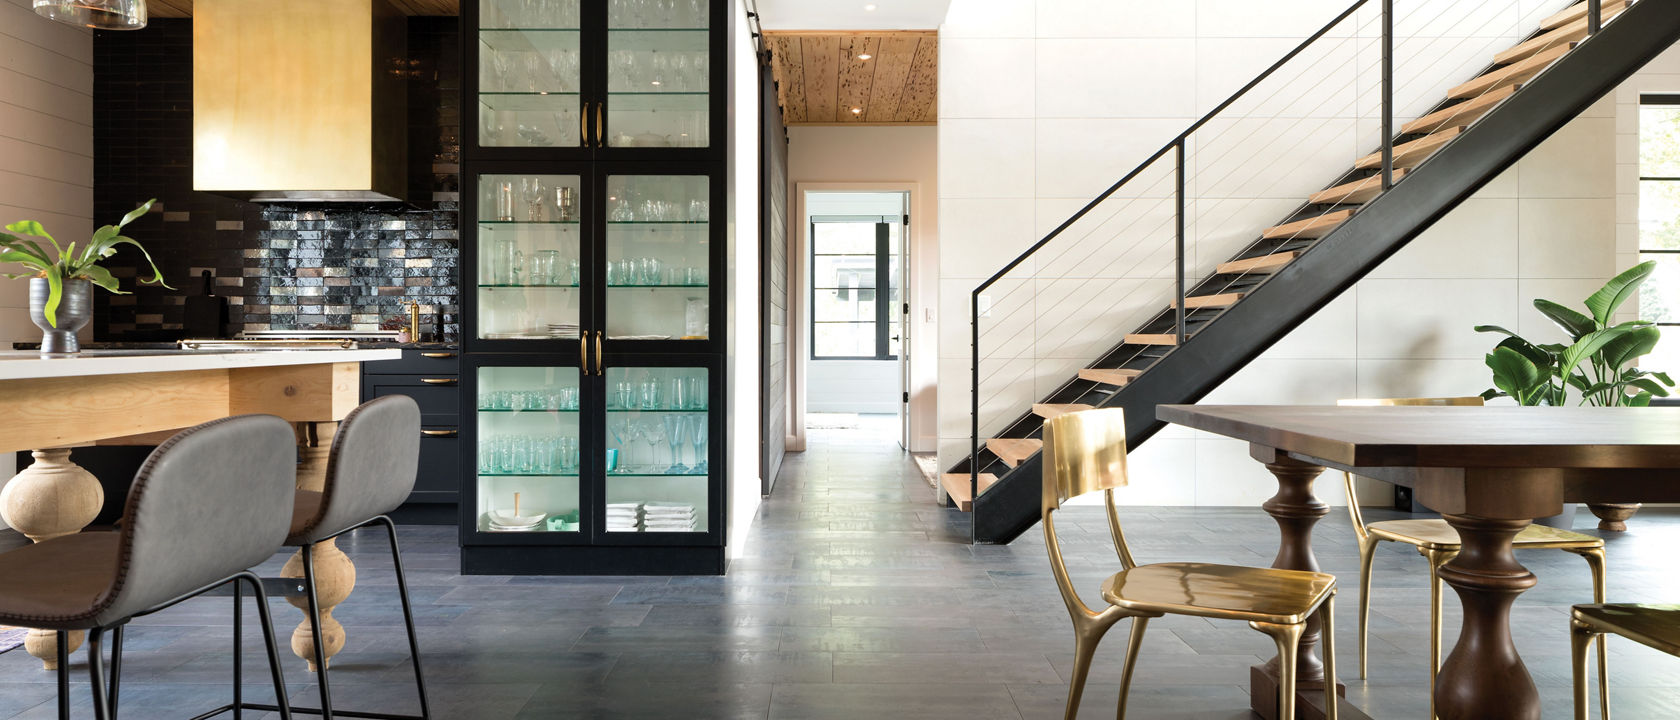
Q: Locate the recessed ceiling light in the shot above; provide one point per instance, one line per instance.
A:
(869, 8)
(865, 56)
(857, 111)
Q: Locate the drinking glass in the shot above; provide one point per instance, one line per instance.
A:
(568, 454)
(650, 394)
(623, 393)
(675, 430)
(696, 392)
(487, 456)
(535, 193)
(507, 262)
(677, 393)
(568, 398)
(697, 435)
(654, 434)
(623, 432)
(543, 267)
(650, 273)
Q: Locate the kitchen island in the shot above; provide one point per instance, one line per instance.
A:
(141, 397)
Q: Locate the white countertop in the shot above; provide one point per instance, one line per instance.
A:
(30, 364)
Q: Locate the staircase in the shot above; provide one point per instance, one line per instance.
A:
(1214, 325)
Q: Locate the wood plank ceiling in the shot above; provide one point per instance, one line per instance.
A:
(183, 8)
(866, 77)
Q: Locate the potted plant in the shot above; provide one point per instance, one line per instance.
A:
(1597, 363)
(61, 284)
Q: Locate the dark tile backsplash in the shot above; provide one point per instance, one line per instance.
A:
(281, 266)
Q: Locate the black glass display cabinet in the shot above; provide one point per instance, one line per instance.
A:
(594, 308)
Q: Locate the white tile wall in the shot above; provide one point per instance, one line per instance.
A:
(1109, 87)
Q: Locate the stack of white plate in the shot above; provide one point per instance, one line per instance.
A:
(563, 330)
(503, 521)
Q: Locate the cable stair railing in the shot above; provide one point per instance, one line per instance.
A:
(1067, 272)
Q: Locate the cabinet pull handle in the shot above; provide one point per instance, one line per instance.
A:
(583, 126)
(438, 355)
(440, 433)
(438, 381)
(600, 122)
(583, 352)
(599, 369)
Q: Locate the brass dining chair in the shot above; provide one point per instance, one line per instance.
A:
(1085, 452)
(1654, 626)
(1438, 543)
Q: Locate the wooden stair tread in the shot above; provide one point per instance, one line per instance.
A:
(1578, 11)
(1209, 301)
(1409, 154)
(1152, 339)
(1510, 74)
(1014, 450)
(1107, 376)
(1463, 113)
(956, 486)
(1051, 410)
(1262, 264)
(1357, 192)
(1315, 227)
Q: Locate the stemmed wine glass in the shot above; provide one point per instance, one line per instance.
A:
(654, 435)
(624, 433)
(697, 435)
(677, 430)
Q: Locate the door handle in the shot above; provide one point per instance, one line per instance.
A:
(583, 126)
(439, 381)
(438, 355)
(583, 352)
(440, 433)
(600, 121)
(599, 370)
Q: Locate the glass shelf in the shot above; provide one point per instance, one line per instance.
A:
(656, 287)
(532, 410)
(532, 474)
(529, 39)
(659, 222)
(527, 222)
(489, 286)
(530, 101)
(656, 102)
(657, 410)
(658, 473)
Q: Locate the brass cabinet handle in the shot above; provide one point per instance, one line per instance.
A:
(438, 381)
(583, 352)
(600, 122)
(440, 433)
(438, 355)
(599, 369)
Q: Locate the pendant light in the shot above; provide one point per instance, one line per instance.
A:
(96, 14)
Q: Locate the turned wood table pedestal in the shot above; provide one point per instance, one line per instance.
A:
(50, 405)
(1490, 471)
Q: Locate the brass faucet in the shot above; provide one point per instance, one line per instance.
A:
(413, 321)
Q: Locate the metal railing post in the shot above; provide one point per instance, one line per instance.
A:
(1179, 260)
(1595, 16)
(1388, 93)
(974, 409)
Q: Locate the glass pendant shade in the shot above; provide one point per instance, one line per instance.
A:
(97, 14)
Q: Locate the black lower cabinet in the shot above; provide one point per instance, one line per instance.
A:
(432, 376)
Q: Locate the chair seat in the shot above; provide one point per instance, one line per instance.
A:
(1655, 626)
(61, 584)
(1232, 592)
(1435, 534)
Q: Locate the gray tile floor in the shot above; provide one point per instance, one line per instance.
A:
(858, 598)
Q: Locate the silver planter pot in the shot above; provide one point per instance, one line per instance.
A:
(75, 309)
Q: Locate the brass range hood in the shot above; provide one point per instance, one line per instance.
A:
(300, 100)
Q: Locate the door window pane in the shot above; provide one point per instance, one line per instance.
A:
(659, 73)
(529, 74)
(527, 455)
(852, 259)
(529, 246)
(658, 257)
(657, 459)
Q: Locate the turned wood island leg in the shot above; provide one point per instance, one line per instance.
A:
(335, 574)
(51, 498)
(1296, 511)
(1484, 678)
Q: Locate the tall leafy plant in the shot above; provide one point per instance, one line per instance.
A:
(1596, 362)
(66, 262)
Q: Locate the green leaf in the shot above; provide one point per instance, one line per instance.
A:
(1662, 376)
(157, 275)
(136, 213)
(23, 258)
(103, 278)
(1587, 346)
(1572, 322)
(1650, 386)
(1603, 303)
(34, 229)
(1641, 400)
(1495, 329)
(1514, 374)
(1637, 342)
(29, 247)
(1491, 394)
(55, 294)
(1539, 356)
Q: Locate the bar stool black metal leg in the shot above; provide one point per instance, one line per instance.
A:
(63, 675)
(408, 616)
(315, 631)
(238, 654)
(96, 675)
(274, 669)
(116, 666)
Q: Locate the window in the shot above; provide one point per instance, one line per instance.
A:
(1659, 206)
(852, 259)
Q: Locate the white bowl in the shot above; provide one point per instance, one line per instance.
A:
(506, 518)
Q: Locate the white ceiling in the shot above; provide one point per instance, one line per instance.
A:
(850, 15)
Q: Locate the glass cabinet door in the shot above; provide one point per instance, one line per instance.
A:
(657, 450)
(530, 74)
(529, 257)
(659, 71)
(527, 459)
(658, 257)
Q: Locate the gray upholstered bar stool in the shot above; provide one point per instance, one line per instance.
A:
(371, 467)
(209, 503)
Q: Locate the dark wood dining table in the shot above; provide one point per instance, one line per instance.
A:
(1490, 471)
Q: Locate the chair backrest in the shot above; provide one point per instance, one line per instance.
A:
(1347, 478)
(1083, 452)
(208, 503)
(371, 467)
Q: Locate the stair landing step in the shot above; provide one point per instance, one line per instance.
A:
(1315, 227)
(1578, 11)
(1463, 113)
(1410, 154)
(1052, 410)
(1510, 74)
(956, 486)
(1357, 192)
(1262, 264)
(1014, 450)
(1209, 301)
(1106, 376)
(1152, 339)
